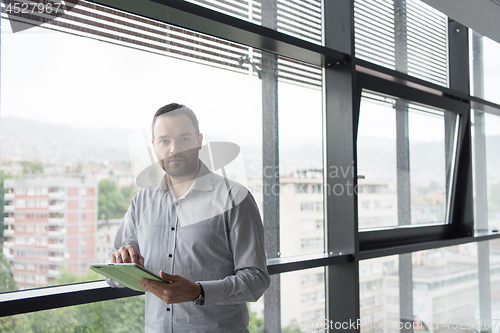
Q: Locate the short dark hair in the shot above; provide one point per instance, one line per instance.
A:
(173, 107)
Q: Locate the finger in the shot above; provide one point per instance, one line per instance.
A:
(153, 286)
(113, 258)
(141, 261)
(117, 257)
(135, 256)
(170, 277)
(124, 255)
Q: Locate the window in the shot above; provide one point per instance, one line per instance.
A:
(402, 157)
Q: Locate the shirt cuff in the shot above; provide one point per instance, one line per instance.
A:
(214, 291)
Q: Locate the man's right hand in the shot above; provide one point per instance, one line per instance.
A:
(127, 254)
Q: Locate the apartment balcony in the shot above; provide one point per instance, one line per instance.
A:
(56, 259)
(57, 233)
(8, 232)
(8, 209)
(8, 220)
(8, 196)
(7, 254)
(7, 245)
(55, 246)
(56, 207)
(56, 195)
(56, 220)
(53, 273)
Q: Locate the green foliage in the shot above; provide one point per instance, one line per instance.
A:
(256, 323)
(128, 193)
(32, 167)
(6, 281)
(112, 204)
(68, 277)
(288, 329)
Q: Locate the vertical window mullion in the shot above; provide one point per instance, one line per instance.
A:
(270, 175)
(480, 182)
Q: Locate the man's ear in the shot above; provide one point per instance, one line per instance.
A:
(200, 140)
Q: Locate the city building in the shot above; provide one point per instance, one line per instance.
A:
(50, 224)
(105, 236)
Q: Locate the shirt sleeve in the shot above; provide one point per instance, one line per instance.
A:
(125, 235)
(246, 237)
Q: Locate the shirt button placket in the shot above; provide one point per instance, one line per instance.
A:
(171, 245)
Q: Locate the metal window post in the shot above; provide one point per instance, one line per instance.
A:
(481, 184)
(270, 175)
(341, 105)
(403, 164)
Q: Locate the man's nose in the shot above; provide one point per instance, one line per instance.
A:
(175, 147)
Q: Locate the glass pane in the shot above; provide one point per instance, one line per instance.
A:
(485, 68)
(302, 302)
(445, 288)
(486, 145)
(427, 166)
(405, 153)
(72, 152)
(379, 294)
(301, 166)
(377, 191)
(494, 278)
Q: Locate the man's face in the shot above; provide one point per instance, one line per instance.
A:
(176, 144)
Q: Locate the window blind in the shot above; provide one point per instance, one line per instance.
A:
(108, 25)
(426, 40)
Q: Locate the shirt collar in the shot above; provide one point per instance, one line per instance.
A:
(203, 181)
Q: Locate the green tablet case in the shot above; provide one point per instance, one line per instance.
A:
(128, 275)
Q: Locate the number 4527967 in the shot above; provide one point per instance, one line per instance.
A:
(33, 7)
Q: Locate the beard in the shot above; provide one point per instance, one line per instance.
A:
(184, 166)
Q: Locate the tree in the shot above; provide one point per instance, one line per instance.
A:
(32, 167)
(111, 203)
(256, 324)
(7, 283)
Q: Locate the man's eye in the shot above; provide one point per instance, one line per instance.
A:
(185, 139)
(163, 142)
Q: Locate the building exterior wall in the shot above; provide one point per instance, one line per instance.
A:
(50, 224)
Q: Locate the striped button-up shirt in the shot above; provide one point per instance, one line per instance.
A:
(212, 235)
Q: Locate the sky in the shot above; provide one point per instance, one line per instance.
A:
(60, 78)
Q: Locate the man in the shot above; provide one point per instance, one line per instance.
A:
(200, 231)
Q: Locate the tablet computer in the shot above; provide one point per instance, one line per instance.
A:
(128, 275)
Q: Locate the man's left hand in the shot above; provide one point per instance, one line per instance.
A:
(178, 290)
